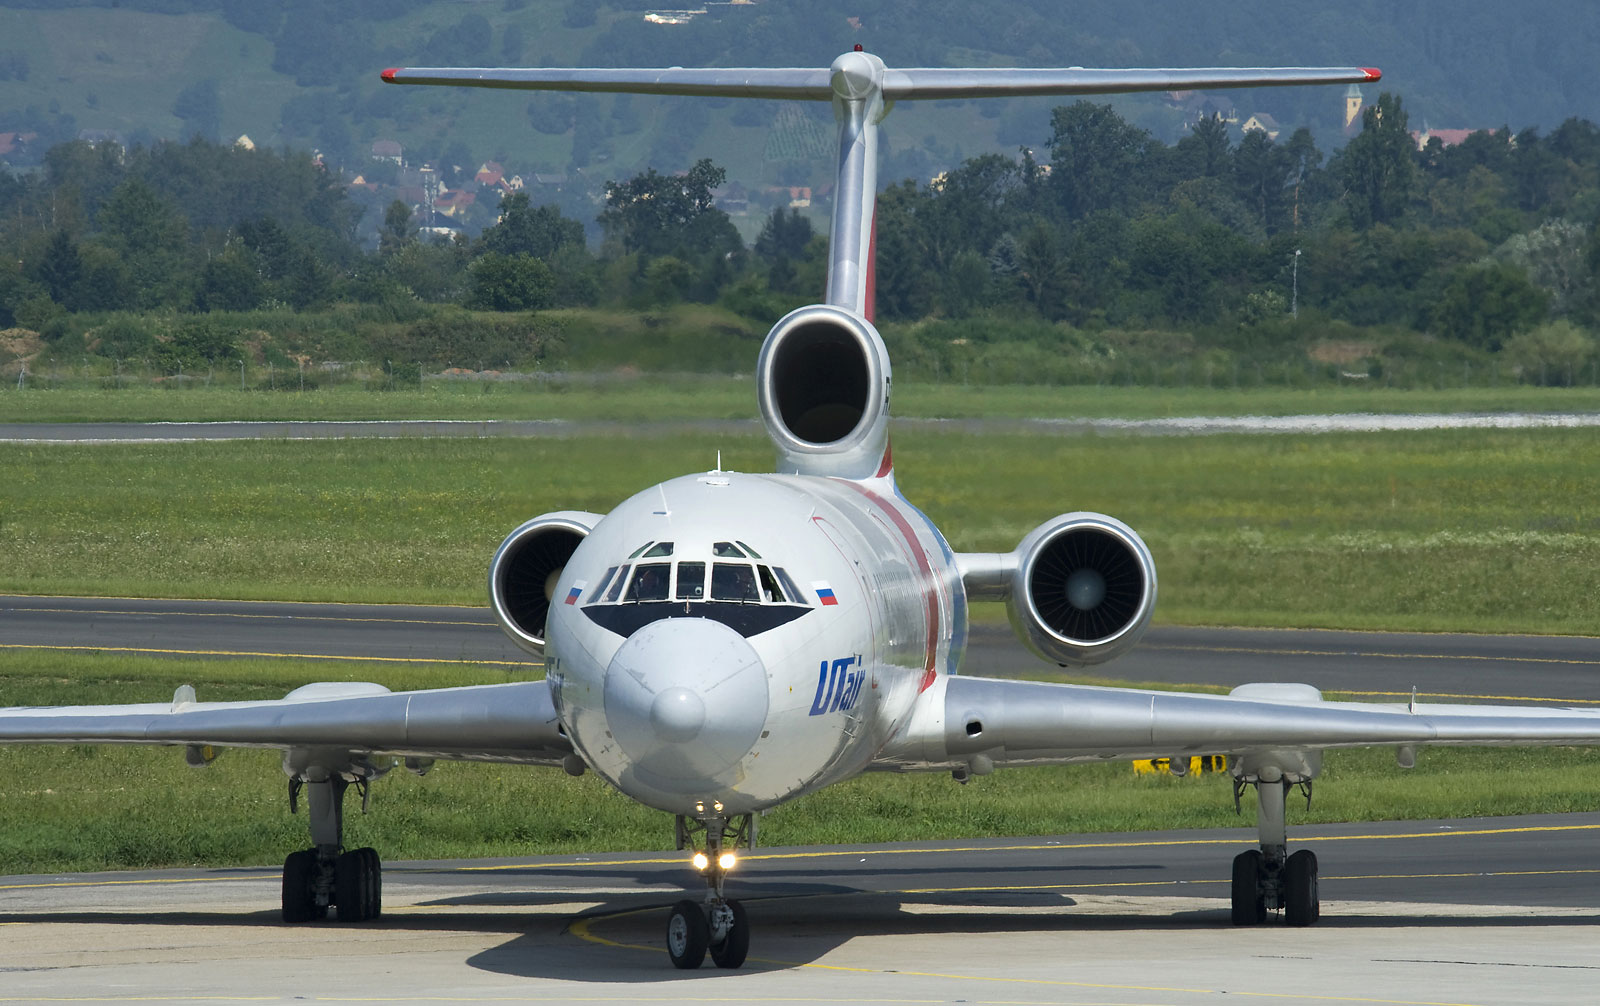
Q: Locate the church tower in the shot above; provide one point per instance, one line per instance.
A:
(1352, 108)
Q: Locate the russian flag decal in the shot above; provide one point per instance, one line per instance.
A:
(576, 591)
(824, 592)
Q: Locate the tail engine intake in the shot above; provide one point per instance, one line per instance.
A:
(823, 384)
(1083, 589)
(525, 570)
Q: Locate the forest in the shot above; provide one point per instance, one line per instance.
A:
(1109, 248)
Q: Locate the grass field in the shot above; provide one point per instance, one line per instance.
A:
(636, 398)
(82, 807)
(1491, 531)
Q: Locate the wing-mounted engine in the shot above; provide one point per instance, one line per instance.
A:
(525, 569)
(823, 384)
(1080, 588)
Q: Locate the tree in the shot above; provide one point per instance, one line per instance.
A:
(657, 214)
(781, 243)
(1095, 158)
(230, 281)
(525, 229)
(510, 283)
(397, 231)
(1484, 306)
(1204, 152)
(1261, 172)
(58, 268)
(200, 109)
(1379, 165)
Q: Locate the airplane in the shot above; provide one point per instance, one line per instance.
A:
(724, 642)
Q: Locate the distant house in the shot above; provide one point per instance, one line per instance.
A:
(454, 202)
(15, 143)
(386, 150)
(1197, 105)
(244, 142)
(1263, 123)
(439, 226)
(1447, 137)
(732, 199)
(360, 182)
(799, 197)
(550, 179)
(489, 173)
(96, 137)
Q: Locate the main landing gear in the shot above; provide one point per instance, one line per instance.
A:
(1268, 878)
(325, 876)
(718, 926)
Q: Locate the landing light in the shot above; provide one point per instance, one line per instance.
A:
(726, 860)
(700, 861)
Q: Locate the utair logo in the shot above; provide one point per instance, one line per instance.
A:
(838, 685)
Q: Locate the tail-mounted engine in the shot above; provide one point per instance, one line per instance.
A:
(823, 384)
(525, 569)
(1080, 589)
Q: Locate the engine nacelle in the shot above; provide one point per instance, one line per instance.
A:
(524, 571)
(1082, 590)
(823, 384)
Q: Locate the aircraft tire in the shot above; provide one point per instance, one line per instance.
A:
(1301, 905)
(352, 887)
(735, 946)
(299, 895)
(374, 870)
(687, 935)
(1249, 908)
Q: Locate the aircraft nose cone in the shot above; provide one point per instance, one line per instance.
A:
(685, 699)
(677, 715)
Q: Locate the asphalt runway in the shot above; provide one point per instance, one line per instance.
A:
(1381, 666)
(1471, 911)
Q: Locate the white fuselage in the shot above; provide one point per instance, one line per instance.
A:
(724, 642)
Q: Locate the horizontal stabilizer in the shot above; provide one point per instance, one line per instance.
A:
(729, 83)
(898, 85)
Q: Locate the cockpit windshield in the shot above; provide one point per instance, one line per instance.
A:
(742, 578)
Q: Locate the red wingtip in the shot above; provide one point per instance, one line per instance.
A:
(388, 75)
(1372, 72)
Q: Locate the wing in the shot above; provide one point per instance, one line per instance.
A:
(513, 722)
(1003, 722)
(898, 85)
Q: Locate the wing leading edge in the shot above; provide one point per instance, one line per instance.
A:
(513, 722)
(1038, 723)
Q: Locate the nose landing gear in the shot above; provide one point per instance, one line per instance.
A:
(719, 926)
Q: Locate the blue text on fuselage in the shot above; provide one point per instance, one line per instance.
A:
(838, 685)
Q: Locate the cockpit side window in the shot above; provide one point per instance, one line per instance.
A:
(733, 582)
(599, 588)
(726, 550)
(659, 549)
(616, 588)
(794, 592)
(752, 553)
(640, 550)
(649, 581)
(691, 581)
(769, 586)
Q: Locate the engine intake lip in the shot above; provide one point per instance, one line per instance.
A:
(1044, 562)
(820, 381)
(517, 593)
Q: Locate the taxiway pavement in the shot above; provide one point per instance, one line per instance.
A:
(1503, 910)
